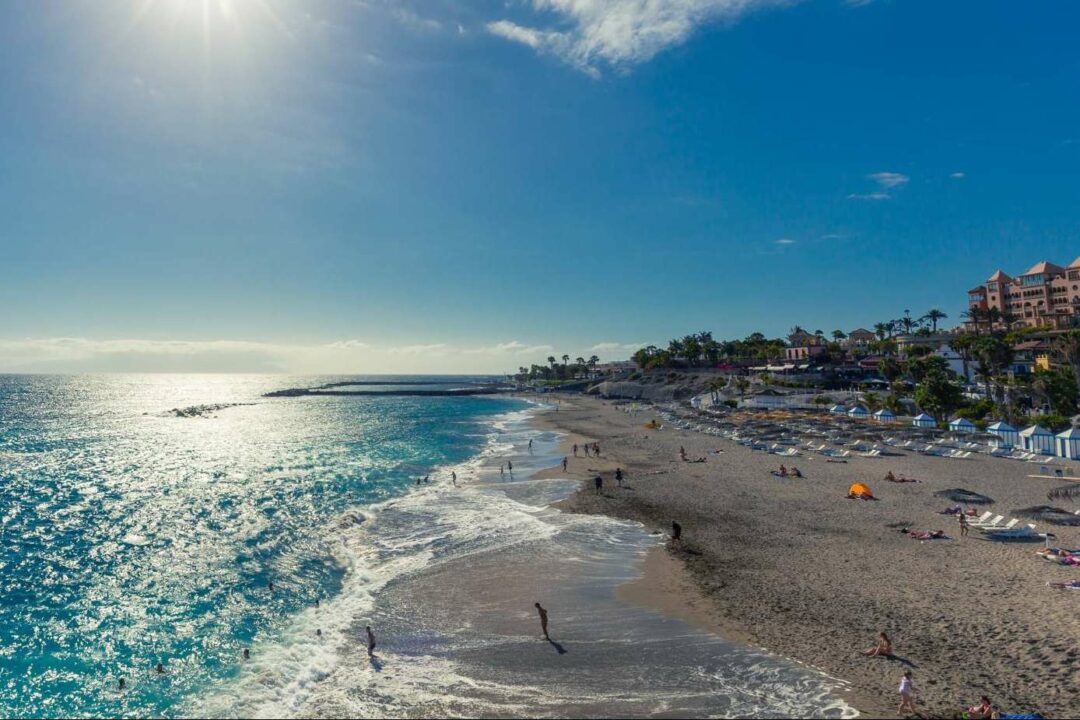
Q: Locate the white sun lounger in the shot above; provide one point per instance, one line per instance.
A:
(1027, 531)
(981, 519)
(988, 523)
(1007, 526)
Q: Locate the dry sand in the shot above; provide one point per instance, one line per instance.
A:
(793, 566)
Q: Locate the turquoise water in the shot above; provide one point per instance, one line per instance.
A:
(131, 536)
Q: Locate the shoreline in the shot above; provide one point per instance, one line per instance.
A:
(736, 579)
(459, 635)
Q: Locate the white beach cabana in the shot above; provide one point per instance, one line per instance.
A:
(1068, 444)
(858, 412)
(1038, 439)
(885, 415)
(1008, 436)
(838, 410)
(922, 420)
(962, 425)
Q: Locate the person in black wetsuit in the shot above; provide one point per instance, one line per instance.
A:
(676, 532)
(599, 484)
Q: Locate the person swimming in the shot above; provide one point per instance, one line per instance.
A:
(159, 669)
(247, 654)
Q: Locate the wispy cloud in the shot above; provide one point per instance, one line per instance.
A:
(618, 33)
(889, 179)
(73, 354)
(869, 196)
(784, 241)
(613, 348)
(958, 175)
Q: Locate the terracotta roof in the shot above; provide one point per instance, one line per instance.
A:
(999, 277)
(1029, 345)
(1044, 267)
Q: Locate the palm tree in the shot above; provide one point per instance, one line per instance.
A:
(1067, 348)
(933, 316)
(975, 316)
(839, 335)
(551, 360)
(579, 361)
(594, 361)
(881, 330)
(906, 322)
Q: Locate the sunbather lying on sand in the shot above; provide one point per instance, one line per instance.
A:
(1071, 585)
(931, 535)
(893, 478)
(795, 472)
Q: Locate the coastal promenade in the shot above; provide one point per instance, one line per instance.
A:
(793, 566)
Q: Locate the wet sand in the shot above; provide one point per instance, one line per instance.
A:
(459, 635)
(792, 566)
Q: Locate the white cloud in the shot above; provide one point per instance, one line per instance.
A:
(784, 241)
(612, 348)
(517, 33)
(889, 179)
(869, 196)
(350, 356)
(511, 348)
(617, 33)
(958, 176)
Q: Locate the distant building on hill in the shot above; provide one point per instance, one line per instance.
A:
(1046, 294)
(860, 338)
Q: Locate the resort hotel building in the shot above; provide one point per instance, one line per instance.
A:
(1045, 295)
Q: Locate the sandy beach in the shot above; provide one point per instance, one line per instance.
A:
(792, 566)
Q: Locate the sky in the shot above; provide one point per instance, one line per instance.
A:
(469, 186)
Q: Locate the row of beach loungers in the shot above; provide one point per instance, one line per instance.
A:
(991, 526)
(791, 435)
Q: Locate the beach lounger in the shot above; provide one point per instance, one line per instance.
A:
(981, 519)
(1021, 533)
(1004, 528)
(989, 523)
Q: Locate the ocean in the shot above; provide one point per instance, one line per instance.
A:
(143, 519)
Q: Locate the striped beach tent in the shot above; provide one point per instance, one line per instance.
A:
(1068, 444)
(858, 412)
(885, 415)
(838, 410)
(1038, 439)
(962, 425)
(1008, 436)
(922, 420)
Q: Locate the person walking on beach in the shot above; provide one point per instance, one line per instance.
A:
(962, 519)
(453, 477)
(530, 444)
(370, 642)
(502, 470)
(510, 467)
(599, 482)
(596, 449)
(676, 533)
(618, 476)
(907, 694)
(575, 449)
(586, 446)
(543, 621)
(564, 464)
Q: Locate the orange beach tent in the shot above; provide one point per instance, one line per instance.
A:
(860, 490)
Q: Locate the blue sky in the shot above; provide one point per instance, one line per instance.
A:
(458, 186)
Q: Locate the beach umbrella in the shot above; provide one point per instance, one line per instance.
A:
(1052, 515)
(966, 497)
(1068, 492)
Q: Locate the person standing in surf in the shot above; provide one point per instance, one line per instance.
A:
(543, 621)
(370, 642)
